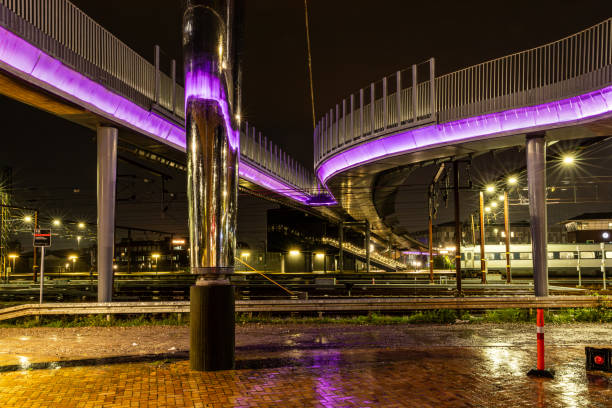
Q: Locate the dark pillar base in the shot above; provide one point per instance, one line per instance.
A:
(534, 372)
(212, 327)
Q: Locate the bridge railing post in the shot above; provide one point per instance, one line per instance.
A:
(157, 76)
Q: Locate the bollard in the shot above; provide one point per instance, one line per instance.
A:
(540, 370)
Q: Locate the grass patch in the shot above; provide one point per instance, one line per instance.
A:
(438, 316)
(166, 319)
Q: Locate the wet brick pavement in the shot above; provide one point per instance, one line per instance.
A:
(447, 372)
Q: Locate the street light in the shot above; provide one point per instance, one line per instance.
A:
(490, 188)
(156, 257)
(487, 209)
(81, 225)
(294, 252)
(512, 180)
(57, 223)
(73, 258)
(501, 198)
(568, 160)
(27, 219)
(12, 257)
(494, 204)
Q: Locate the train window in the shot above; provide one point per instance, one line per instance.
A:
(567, 255)
(608, 254)
(587, 255)
(463, 257)
(516, 255)
(525, 255)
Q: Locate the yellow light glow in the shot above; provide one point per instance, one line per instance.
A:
(13, 256)
(568, 159)
(512, 180)
(294, 252)
(245, 254)
(73, 257)
(494, 204)
(490, 189)
(178, 241)
(443, 252)
(450, 249)
(501, 198)
(57, 223)
(319, 255)
(81, 225)
(155, 256)
(487, 209)
(27, 219)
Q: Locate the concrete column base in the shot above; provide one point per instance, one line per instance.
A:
(212, 325)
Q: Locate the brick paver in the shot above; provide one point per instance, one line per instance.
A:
(404, 377)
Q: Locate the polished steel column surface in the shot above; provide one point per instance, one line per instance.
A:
(212, 133)
(536, 183)
(212, 142)
(107, 182)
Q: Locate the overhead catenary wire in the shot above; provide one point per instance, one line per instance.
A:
(314, 118)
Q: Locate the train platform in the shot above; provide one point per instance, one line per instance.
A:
(461, 365)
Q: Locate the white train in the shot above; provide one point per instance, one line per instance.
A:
(563, 259)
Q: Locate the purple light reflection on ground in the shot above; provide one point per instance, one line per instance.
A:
(328, 384)
(563, 111)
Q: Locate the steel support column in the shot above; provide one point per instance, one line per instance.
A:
(107, 183)
(536, 184)
(457, 226)
(212, 175)
(341, 246)
(367, 245)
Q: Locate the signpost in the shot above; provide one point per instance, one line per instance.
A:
(42, 239)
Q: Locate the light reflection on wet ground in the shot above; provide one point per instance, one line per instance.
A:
(349, 366)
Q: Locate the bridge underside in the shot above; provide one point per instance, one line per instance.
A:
(368, 192)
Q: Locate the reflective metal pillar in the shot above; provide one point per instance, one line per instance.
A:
(107, 182)
(212, 176)
(536, 184)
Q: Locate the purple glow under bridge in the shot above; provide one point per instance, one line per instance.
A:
(27, 61)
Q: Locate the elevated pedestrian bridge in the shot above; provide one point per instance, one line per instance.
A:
(56, 58)
(379, 133)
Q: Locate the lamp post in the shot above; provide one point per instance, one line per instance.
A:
(507, 233)
(73, 258)
(12, 257)
(156, 257)
(483, 270)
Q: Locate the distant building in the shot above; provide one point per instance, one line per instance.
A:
(444, 234)
(589, 228)
(169, 254)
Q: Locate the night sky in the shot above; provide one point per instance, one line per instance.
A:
(354, 42)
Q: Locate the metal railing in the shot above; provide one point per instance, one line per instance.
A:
(263, 153)
(396, 102)
(59, 28)
(361, 252)
(572, 66)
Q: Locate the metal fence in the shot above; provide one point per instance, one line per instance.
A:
(60, 29)
(568, 67)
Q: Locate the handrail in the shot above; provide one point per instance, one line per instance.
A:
(62, 30)
(564, 68)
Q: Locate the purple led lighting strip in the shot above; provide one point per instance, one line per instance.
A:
(27, 59)
(565, 111)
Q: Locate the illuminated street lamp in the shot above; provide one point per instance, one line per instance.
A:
(156, 257)
(487, 209)
(501, 198)
(81, 225)
(512, 180)
(294, 252)
(73, 258)
(568, 160)
(57, 223)
(12, 257)
(494, 204)
(27, 219)
(490, 189)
